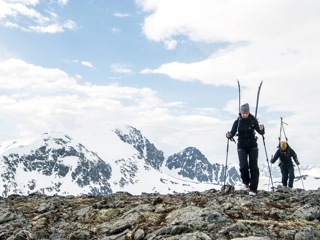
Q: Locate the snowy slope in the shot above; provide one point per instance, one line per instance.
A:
(54, 163)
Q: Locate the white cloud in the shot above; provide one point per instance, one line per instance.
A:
(231, 21)
(62, 2)
(54, 28)
(10, 25)
(121, 68)
(16, 74)
(263, 44)
(273, 41)
(52, 14)
(116, 30)
(71, 25)
(115, 78)
(37, 100)
(78, 76)
(13, 14)
(205, 111)
(170, 44)
(87, 64)
(121, 15)
(26, 2)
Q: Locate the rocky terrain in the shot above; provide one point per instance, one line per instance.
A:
(213, 214)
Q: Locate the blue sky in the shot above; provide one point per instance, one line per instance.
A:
(168, 68)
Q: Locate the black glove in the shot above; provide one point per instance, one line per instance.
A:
(297, 162)
(272, 160)
(229, 135)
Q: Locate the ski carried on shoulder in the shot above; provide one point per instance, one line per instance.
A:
(263, 139)
(282, 130)
(257, 102)
(239, 90)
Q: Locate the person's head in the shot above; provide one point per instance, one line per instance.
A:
(283, 145)
(245, 110)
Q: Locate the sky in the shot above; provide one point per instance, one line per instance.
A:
(167, 68)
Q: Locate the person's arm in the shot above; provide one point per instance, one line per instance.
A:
(233, 130)
(275, 157)
(259, 128)
(294, 156)
(234, 127)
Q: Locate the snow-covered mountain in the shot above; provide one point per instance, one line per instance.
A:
(54, 163)
(191, 163)
(146, 169)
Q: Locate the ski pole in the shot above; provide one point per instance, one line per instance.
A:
(226, 166)
(265, 149)
(271, 171)
(301, 177)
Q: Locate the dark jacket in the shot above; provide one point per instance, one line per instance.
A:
(246, 128)
(285, 156)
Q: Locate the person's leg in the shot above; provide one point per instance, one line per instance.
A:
(244, 167)
(284, 173)
(291, 176)
(254, 170)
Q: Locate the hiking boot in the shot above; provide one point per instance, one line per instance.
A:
(252, 193)
(246, 187)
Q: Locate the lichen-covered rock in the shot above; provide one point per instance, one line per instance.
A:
(212, 214)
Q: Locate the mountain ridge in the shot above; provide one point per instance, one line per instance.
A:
(54, 163)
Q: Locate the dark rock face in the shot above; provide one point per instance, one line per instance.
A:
(213, 214)
(192, 164)
(146, 149)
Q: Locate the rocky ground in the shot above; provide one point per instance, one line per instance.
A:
(213, 214)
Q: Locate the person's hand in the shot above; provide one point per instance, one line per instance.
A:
(261, 127)
(228, 135)
(272, 160)
(297, 162)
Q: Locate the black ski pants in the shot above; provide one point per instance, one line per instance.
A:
(287, 173)
(248, 161)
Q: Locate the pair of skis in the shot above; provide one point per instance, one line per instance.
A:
(257, 101)
(282, 130)
(255, 115)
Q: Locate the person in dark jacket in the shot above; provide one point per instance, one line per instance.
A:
(285, 153)
(247, 146)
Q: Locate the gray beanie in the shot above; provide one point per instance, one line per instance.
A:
(245, 108)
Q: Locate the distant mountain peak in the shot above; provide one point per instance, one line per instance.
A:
(146, 149)
(191, 163)
(45, 163)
